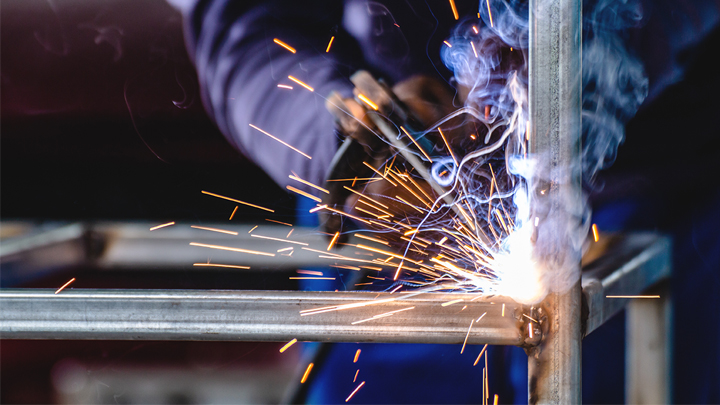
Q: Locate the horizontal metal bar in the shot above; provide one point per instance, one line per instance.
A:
(260, 316)
(631, 265)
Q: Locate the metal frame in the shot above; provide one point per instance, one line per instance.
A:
(629, 266)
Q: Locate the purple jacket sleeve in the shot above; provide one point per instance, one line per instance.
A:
(240, 66)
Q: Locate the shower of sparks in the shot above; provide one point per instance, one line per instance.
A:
(287, 345)
(298, 81)
(233, 213)
(330, 44)
(205, 228)
(454, 10)
(304, 194)
(232, 249)
(367, 101)
(285, 86)
(480, 355)
(237, 201)
(490, 13)
(230, 266)
(332, 241)
(65, 285)
(307, 373)
(284, 45)
(354, 391)
(281, 141)
(632, 296)
(357, 355)
(162, 226)
(596, 237)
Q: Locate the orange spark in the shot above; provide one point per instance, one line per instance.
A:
(310, 272)
(474, 28)
(279, 240)
(65, 285)
(237, 201)
(490, 13)
(632, 296)
(487, 112)
(354, 391)
(448, 146)
(445, 304)
(330, 44)
(307, 373)
(454, 10)
(204, 228)
(332, 241)
(233, 213)
(253, 228)
(287, 345)
(368, 102)
(466, 337)
(495, 400)
(232, 249)
(416, 144)
(357, 355)
(382, 242)
(278, 222)
(530, 330)
(290, 233)
(232, 266)
(448, 44)
(595, 232)
(480, 355)
(318, 208)
(304, 194)
(284, 45)
(285, 86)
(379, 174)
(476, 55)
(503, 310)
(311, 278)
(282, 142)
(295, 177)
(356, 374)
(296, 80)
(162, 226)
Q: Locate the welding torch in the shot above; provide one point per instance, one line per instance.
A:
(381, 114)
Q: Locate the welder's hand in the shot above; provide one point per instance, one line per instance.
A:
(429, 100)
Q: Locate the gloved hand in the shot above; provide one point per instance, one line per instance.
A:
(365, 155)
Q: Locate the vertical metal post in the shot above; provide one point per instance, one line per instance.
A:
(554, 107)
(648, 350)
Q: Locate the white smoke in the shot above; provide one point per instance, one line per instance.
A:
(489, 59)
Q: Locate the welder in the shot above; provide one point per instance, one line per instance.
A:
(240, 67)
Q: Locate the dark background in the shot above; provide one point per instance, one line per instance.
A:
(101, 119)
